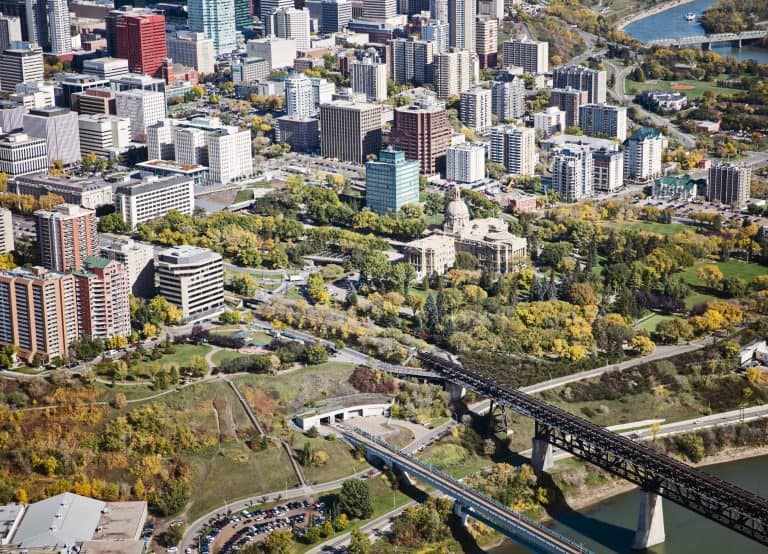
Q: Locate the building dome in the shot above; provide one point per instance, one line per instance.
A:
(456, 214)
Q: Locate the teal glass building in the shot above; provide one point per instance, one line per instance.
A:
(391, 182)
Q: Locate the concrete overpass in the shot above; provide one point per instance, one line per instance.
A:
(706, 41)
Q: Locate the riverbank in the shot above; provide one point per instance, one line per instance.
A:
(650, 11)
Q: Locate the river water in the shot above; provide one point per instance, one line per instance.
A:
(671, 23)
(610, 525)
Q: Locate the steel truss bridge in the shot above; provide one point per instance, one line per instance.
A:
(709, 39)
(469, 502)
(713, 498)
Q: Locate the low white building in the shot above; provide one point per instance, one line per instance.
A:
(152, 197)
(192, 279)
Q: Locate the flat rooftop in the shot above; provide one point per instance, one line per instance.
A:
(121, 521)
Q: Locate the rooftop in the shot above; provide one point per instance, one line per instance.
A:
(121, 521)
(645, 133)
(9, 517)
(62, 520)
(185, 254)
(172, 165)
(150, 184)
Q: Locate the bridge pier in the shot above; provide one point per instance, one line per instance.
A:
(456, 392)
(460, 512)
(541, 457)
(650, 523)
(736, 44)
(706, 46)
(405, 476)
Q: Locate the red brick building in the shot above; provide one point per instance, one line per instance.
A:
(423, 132)
(140, 38)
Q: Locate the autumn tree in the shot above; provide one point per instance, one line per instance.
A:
(711, 275)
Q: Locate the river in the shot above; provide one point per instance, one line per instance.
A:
(609, 526)
(671, 23)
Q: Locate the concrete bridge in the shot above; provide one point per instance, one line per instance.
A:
(468, 501)
(706, 41)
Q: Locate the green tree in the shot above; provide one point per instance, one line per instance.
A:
(316, 289)
(359, 543)
(243, 284)
(279, 542)
(173, 535)
(316, 354)
(355, 499)
(113, 223)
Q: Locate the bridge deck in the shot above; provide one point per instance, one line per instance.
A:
(709, 39)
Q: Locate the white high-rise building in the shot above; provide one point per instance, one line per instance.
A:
(299, 96)
(21, 154)
(192, 50)
(492, 8)
(532, 56)
(379, 10)
(602, 119)
(369, 77)
(323, 90)
(643, 154)
(455, 72)
(292, 24)
(475, 108)
(573, 173)
(6, 231)
(465, 163)
(550, 121)
(437, 32)
(229, 155)
(508, 98)
(192, 278)
(138, 259)
(10, 31)
(59, 128)
(461, 18)
(216, 19)
(104, 135)
(59, 27)
(279, 52)
(143, 108)
(270, 6)
(438, 10)
(515, 148)
(19, 63)
(152, 197)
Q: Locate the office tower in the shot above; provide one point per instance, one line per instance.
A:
(594, 81)
(21, 154)
(532, 56)
(38, 312)
(301, 133)
(475, 108)
(137, 82)
(279, 52)
(59, 27)
(229, 155)
(6, 231)
(379, 10)
(454, 72)
(299, 96)
(143, 108)
(59, 128)
(65, 236)
(142, 201)
(729, 184)
(104, 135)
(438, 10)
(216, 19)
(491, 8)
(139, 261)
(508, 99)
(249, 70)
(642, 154)
(106, 68)
(290, 23)
(461, 21)
(192, 279)
(391, 182)
(268, 7)
(608, 173)
(515, 148)
(412, 61)
(335, 15)
(570, 101)
(10, 31)
(422, 131)
(139, 36)
(572, 173)
(486, 41)
(437, 32)
(11, 116)
(103, 299)
(350, 131)
(465, 163)
(323, 90)
(95, 101)
(602, 119)
(243, 14)
(34, 95)
(369, 77)
(22, 61)
(549, 121)
(193, 50)
(71, 83)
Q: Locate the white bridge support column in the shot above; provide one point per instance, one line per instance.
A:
(460, 512)
(405, 476)
(650, 524)
(541, 457)
(456, 392)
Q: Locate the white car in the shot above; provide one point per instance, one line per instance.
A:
(172, 549)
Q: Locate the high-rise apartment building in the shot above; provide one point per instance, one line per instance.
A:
(532, 56)
(573, 173)
(243, 14)
(21, 154)
(594, 81)
(475, 108)
(465, 163)
(335, 15)
(104, 135)
(454, 72)
(491, 8)
(549, 121)
(103, 293)
(6, 231)
(508, 99)
(216, 19)
(10, 31)
(391, 182)
(38, 312)
(602, 119)
(368, 76)
(379, 10)
(299, 96)
(152, 197)
(437, 32)
(642, 154)
(461, 20)
(279, 52)
(139, 261)
(350, 131)
(290, 23)
(66, 235)
(729, 184)
(323, 90)
(140, 39)
(22, 61)
(59, 34)
(268, 7)
(608, 173)
(59, 128)
(143, 108)
(515, 148)
(438, 10)
(569, 100)
(413, 61)
(422, 131)
(192, 279)
(193, 50)
(487, 41)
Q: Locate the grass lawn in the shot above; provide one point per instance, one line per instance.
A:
(224, 355)
(131, 392)
(699, 87)
(340, 464)
(294, 293)
(650, 323)
(649, 227)
(181, 356)
(454, 459)
(700, 293)
(244, 195)
(225, 331)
